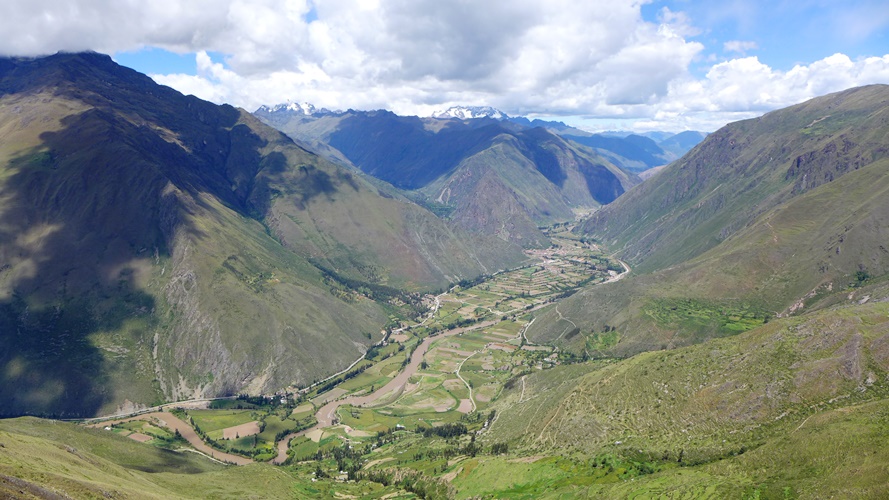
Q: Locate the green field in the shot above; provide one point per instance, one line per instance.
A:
(216, 420)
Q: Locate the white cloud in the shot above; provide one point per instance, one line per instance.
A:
(739, 46)
(597, 58)
(423, 55)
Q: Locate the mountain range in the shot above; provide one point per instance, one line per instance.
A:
(490, 176)
(155, 246)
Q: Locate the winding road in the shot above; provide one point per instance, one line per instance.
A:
(471, 400)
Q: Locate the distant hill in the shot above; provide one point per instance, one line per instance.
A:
(154, 246)
(639, 153)
(634, 152)
(682, 142)
(493, 177)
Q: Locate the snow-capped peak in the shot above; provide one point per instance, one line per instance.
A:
(292, 107)
(470, 112)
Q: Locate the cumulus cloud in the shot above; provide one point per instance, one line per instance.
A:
(597, 58)
(416, 56)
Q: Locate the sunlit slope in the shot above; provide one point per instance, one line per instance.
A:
(814, 239)
(43, 458)
(805, 250)
(798, 403)
(741, 171)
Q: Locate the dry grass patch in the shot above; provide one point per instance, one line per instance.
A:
(329, 396)
(453, 384)
(239, 431)
(138, 436)
(465, 406)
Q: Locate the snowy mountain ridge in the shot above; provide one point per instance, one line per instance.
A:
(470, 112)
(304, 108)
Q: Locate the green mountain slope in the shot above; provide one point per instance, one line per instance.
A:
(788, 236)
(742, 171)
(48, 460)
(797, 407)
(143, 256)
(804, 251)
(524, 180)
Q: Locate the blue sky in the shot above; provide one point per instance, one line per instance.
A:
(785, 33)
(670, 65)
(153, 60)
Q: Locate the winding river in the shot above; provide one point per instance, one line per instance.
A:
(327, 413)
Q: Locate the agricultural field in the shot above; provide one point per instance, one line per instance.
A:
(462, 375)
(473, 348)
(248, 426)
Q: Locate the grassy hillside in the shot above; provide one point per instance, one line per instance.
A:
(740, 172)
(797, 405)
(145, 252)
(820, 229)
(46, 459)
(812, 248)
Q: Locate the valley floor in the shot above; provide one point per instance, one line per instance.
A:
(458, 404)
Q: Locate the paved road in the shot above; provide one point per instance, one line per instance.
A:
(327, 413)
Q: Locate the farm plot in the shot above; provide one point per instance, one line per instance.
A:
(239, 431)
(212, 422)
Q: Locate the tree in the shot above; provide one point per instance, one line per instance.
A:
(499, 448)
(319, 472)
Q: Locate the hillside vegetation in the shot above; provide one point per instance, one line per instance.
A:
(820, 230)
(793, 408)
(740, 172)
(155, 246)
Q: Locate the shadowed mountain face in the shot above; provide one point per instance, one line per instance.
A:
(494, 178)
(148, 249)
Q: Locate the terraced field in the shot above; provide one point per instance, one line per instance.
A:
(445, 369)
(462, 355)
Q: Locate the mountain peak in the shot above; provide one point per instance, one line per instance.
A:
(470, 112)
(291, 107)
